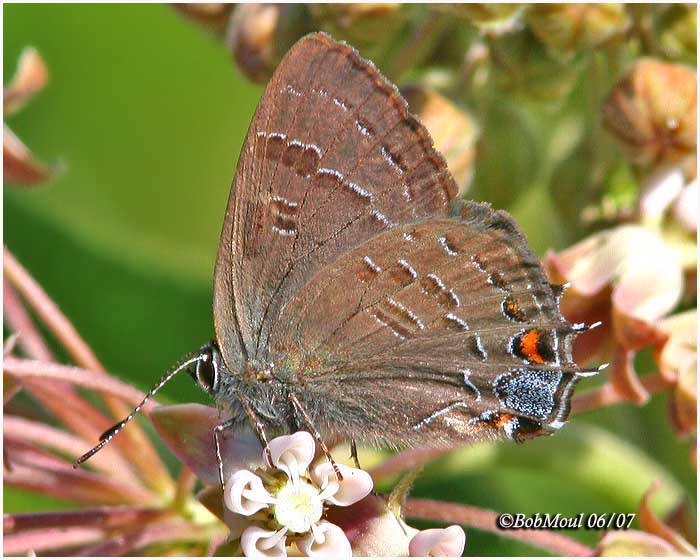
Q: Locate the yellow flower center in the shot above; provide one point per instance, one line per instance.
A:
(298, 506)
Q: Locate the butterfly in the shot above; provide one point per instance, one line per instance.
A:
(356, 296)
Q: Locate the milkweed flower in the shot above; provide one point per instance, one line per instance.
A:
(449, 541)
(677, 359)
(295, 504)
(652, 112)
(626, 278)
(283, 503)
(656, 537)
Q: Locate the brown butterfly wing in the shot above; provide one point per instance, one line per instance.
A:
(332, 158)
(456, 308)
(343, 269)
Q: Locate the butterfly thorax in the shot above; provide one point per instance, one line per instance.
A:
(265, 385)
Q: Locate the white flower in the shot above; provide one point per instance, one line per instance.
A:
(685, 209)
(283, 505)
(438, 542)
(667, 188)
(659, 191)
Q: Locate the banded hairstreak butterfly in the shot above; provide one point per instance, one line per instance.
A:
(355, 296)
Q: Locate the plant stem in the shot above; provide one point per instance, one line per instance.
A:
(417, 46)
(184, 486)
(101, 517)
(607, 395)
(49, 313)
(134, 445)
(21, 323)
(406, 460)
(93, 380)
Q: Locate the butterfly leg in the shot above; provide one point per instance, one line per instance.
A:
(353, 453)
(259, 428)
(317, 436)
(218, 429)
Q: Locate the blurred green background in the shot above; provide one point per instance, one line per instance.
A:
(146, 114)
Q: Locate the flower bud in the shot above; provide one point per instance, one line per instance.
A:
(521, 63)
(20, 166)
(677, 361)
(439, 542)
(677, 32)
(495, 17)
(212, 16)
(29, 79)
(652, 112)
(453, 130)
(373, 529)
(574, 27)
(360, 24)
(260, 34)
(634, 543)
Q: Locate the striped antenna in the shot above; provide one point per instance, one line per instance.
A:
(107, 436)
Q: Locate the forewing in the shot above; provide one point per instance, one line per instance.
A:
(445, 328)
(332, 158)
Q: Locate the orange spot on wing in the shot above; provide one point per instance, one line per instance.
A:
(502, 419)
(528, 346)
(513, 310)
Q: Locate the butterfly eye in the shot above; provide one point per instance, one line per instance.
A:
(206, 370)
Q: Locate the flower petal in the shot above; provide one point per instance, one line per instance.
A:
(678, 355)
(653, 112)
(624, 377)
(685, 210)
(621, 255)
(245, 494)
(293, 454)
(633, 543)
(650, 523)
(257, 542)
(641, 292)
(236, 524)
(356, 483)
(677, 358)
(659, 191)
(211, 497)
(438, 542)
(30, 78)
(326, 540)
(20, 166)
(372, 528)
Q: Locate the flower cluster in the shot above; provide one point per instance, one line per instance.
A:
(284, 504)
(632, 277)
(281, 509)
(297, 505)
(656, 538)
